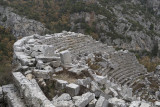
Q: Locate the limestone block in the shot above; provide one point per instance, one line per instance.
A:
(64, 104)
(84, 82)
(66, 57)
(102, 102)
(95, 88)
(40, 64)
(8, 88)
(117, 102)
(75, 98)
(30, 91)
(157, 103)
(85, 99)
(48, 50)
(45, 74)
(14, 101)
(55, 64)
(92, 103)
(64, 97)
(143, 104)
(29, 76)
(58, 69)
(135, 104)
(72, 89)
(61, 84)
(99, 79)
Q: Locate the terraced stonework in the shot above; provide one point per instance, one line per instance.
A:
(73, 70)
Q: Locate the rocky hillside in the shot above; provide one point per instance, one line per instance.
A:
(20, 26)
(133, 25)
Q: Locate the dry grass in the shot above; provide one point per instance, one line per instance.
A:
(65, 77)
(71, 77)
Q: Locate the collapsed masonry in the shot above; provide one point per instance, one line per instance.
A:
(72, 70)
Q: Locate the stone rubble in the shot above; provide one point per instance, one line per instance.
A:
(73, 70)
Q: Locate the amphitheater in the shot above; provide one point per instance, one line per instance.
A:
(73, 70)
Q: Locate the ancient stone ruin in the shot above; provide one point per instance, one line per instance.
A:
(73, 70)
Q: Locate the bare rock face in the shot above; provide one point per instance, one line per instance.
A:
(155, 4)
(20, 26)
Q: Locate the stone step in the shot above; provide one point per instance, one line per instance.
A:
(131, 70)
(124, 71)
(133, 80)
(129, 75)
(120, 69)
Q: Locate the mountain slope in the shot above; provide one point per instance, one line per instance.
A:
(132, 25)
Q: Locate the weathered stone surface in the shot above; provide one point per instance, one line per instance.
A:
(92, 103)
(99, 79)
(14, 101)
(72, 89)
(84, 82)
(30, 91)
(64, 104)
(7, 89)
(58, 69)
(143, 104)
(157, 103)
(64, 97)
(61, 84)
(63, 101)
(20, 26)
(85, 99)
(42, 73)
(135, 104)
(102, 102)
(66, 58)
(29, 76)
(117, 102)
(95, 88)
(108, 69)
(55, 64)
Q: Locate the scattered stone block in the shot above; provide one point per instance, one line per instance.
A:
(55, 64)
(64, 104)
(85, 99)
(143, 104)
(75, 98)
(29, 76)
(72, 89)
(84, 82)
(30, 91)
(135, 104)
(13, 100)
(95, 88)
(45, 74)
(92, 103)
(66, 58)
(117, 102)
(58, 69)
(102, 102)
(61, 84)
(157, 103)
(99, 79)
(64, 97)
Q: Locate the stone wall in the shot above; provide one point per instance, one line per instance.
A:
(72, 70)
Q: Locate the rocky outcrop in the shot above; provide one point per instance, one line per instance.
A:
(128, 27)
(19, 25)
